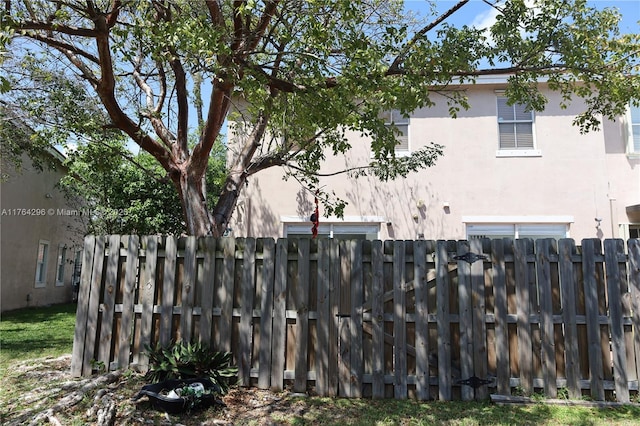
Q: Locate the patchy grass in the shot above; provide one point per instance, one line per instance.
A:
(36, 333)
(31, 384)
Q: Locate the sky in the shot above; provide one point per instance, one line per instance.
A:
(479, 14)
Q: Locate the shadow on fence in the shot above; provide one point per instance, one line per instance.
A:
(420, 319)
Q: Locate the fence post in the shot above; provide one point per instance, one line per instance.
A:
(188, 288)
(168, 283)
(279, 316)
(301, 296)
(503, 367)
(525, 359)
(126, 326)
(547, 337)
(147, 293)
(111, 287)
(443, 321)
(568, 286)
(357, 295)
(634, 284)
(465, 324)
(83, 306)
(377, 313)
(226, 294)
(612, 250)
(399, 321)
(266, 313)
(245, 330)
(94, 306)
(592, 314)
(208, 282)
(480, 362)
(323, 319)
(422, 319)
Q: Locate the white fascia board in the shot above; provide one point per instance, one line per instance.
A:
(518, 219)
(492, 79)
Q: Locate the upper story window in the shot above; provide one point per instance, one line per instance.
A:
(515, 129)
(633, 146)
(394, 118)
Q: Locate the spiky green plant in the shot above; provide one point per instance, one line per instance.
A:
(190, 360)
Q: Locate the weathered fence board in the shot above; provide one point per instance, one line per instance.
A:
(444, 325)
(591, 312)
(266, 318)
(525, 359)
(425, 319)
(501, 328)
(568, 284)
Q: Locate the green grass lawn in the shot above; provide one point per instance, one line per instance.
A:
(36, 333)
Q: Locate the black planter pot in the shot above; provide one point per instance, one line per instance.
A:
(160, 401)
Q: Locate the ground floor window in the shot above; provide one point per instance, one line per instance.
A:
(337, 230)
(41, 263)
(629, 230)
(516, 229)
(60, 264)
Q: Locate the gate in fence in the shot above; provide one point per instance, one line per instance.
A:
(422, 319)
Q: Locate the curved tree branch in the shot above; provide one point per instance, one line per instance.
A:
(418, 35)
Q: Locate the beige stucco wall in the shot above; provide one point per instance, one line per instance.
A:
(20, 235)
(576, 176)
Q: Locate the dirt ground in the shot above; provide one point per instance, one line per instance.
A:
(43, 392)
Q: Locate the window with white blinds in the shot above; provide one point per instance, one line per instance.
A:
(515, 125)
(394, 118)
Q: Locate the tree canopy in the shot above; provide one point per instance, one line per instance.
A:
(299, 73)
(121, 193)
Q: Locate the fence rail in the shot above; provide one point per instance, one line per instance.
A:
(420, 319)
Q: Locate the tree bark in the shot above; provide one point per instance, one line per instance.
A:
(198, 219)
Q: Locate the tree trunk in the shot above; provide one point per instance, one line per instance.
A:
(198, 219)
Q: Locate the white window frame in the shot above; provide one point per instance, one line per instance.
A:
(633, 146)
(518, 226)
(61, 261)
(626, 229)
(368, 226)
(397, 119)
(516, 152)
(41, 264)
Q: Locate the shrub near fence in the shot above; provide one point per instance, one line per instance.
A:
(422, 319)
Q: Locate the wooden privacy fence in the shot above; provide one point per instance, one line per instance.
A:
(424, 319)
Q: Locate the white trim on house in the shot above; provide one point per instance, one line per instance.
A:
(518, 219)
(518, 226)
(368, 226)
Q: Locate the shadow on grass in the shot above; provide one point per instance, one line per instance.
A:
(382, 412)
(37, 332)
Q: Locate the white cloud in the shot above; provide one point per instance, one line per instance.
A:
(485, 19)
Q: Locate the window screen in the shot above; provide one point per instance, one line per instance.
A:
(515, 125)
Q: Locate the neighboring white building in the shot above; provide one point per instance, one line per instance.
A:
(504, 172)
(40, 242)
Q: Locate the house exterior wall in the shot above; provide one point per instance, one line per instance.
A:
(571, 179)
(34, 211)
